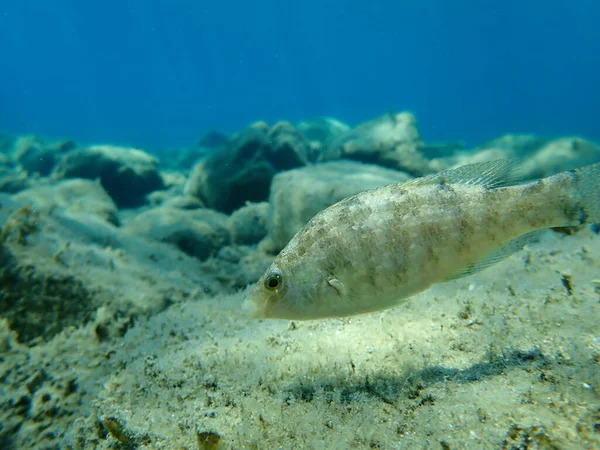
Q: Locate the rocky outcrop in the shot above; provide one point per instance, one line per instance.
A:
(127, 174)
(242, 170)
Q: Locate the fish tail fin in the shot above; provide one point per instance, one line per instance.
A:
(585, 195)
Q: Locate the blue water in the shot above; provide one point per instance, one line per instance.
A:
(158, 73)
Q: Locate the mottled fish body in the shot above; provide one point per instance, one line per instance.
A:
(371, 251)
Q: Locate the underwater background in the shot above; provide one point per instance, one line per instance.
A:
(156, 157)
(156, 73)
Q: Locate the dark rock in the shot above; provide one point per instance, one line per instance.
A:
(38, 305)
(391, 140)
(212, 139)
(248, 225)
(127, 174)
(199, 233)
(297, 195)
(38, 156)
(242, 170)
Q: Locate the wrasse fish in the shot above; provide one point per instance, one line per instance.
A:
(375, 249)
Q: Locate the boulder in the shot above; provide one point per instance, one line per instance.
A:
(391, 140)
(212, 139)
(248, 225)
(11, 180)
(297, 195)
(6, 143)
(471, 157)
(5, 161)
(173, 182)
(442, 149)
(64, 270)
(242, 169)
(199, 233)
(38, 156)
(321, 132)
(560, 155)
(185, 158)
(127, 174)
(75, 196)
(518, 144)
(184, 202)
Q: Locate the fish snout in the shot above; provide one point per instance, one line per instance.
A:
(252, 307)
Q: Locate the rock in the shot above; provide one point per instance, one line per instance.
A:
(75, 196)
(518, 144)
(288, 147)
(70, 289)
(127, 174)
(12, 181)
(36, 306)
(490, 154)
(199, 233)
(173, 182)
(297, 195)
(248, 225)
(560, 155)
(470, 157)
(212, 140)
(184, 159)
(441, 149)
(6, 143)
(184, 202)
(242, 170)
(5, 161)
(37, 156)
(321, 132)
(173, 178)
(157, 198)
(391, 140)
(59, 270)
(237, 266)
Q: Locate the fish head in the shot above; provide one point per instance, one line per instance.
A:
(297, 291)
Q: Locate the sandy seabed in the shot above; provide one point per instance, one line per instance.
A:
(505, 359)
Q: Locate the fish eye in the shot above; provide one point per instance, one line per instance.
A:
(274, 280)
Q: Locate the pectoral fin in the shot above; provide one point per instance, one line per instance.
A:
(337, 285)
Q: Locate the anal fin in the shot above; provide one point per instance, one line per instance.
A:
(503, 252)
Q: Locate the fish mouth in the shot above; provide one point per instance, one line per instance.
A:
(252, 307)
(260, 306)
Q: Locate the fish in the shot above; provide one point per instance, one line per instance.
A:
(376, 249)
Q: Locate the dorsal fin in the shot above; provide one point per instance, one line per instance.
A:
(491, 174)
